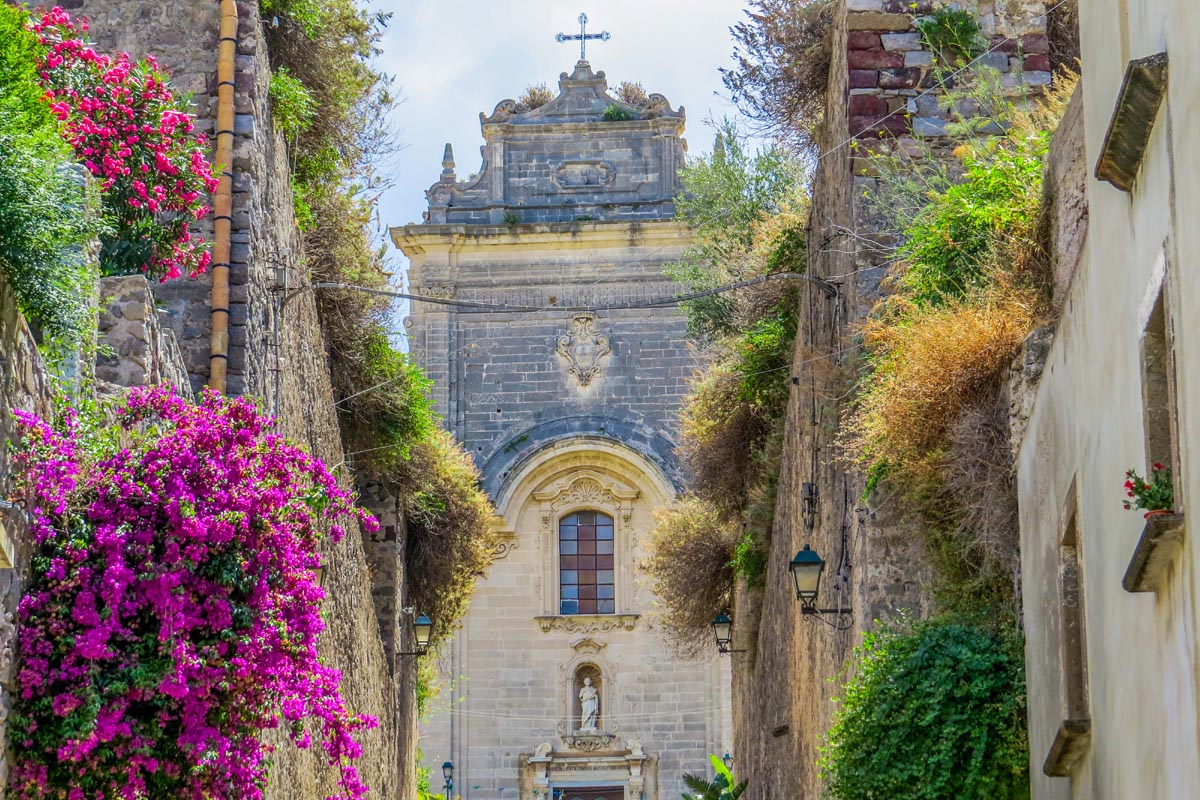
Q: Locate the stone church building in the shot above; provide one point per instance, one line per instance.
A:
(564, 383)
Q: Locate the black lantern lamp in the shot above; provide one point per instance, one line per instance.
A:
(422, 635)
(319, 574)
(728, 760)
(448, 774)
(723, 632)
(806, 568)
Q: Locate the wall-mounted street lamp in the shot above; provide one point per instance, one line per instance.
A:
(806, 569)
(448, 774)
(422, 634)
(722, 626)
(728, 760)
(319, 574)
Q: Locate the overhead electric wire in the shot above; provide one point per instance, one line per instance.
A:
(654, 302)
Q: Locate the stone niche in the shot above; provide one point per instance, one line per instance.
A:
(624, 773)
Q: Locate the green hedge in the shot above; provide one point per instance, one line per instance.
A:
(935, 712)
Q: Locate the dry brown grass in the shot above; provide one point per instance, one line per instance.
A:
(692, 548)
(451, 541)
(979, 478)
(929, 367)
(535, 95)
(633, 93)
(721, 435)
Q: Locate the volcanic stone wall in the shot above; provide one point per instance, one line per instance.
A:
(277, 352)
(881, 90)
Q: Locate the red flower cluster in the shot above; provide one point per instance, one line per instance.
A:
(135, 137)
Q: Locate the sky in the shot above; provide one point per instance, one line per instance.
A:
(455, 58)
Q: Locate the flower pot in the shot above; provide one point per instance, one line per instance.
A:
(1158, 511)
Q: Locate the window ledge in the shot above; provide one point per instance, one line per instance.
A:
(1070, 744)
(587, 623)
(1161, 540)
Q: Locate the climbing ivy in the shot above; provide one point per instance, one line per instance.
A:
(934, 712)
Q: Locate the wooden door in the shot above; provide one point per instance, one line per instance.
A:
(611, 793)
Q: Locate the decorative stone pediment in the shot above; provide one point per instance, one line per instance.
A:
(587, 646)
(586, 489)
(583, 346)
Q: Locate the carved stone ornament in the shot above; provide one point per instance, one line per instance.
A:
(587, 646)
(588, 623)
(590, 742)
(583, 347)
(586, 489)
(505, 546)
(439, 195)
(584, 174)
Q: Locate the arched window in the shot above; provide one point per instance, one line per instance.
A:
(585, 564)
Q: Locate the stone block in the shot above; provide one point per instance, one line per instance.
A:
(874, 59)
(994, 60)
(1035, 43)
(903, 78)
(1039, 62)
(864, 5)
(1015, 80)
(863, 40)
(908, 6)
(863, 78)
(873, 127)
(903, 42)
(871, 21)
(866, 105)
(928, 126)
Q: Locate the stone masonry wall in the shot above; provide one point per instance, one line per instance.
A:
(24, 385)
(277, 352)
(890, 70)
(135, 348)
(880, 86)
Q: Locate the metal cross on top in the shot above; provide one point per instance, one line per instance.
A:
(582, 37)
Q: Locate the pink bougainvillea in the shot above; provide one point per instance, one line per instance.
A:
(131, 133)
(172, 614)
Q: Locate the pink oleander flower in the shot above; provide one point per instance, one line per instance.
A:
(172, 612)
(123, 121)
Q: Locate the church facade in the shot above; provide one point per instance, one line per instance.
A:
(559, 372)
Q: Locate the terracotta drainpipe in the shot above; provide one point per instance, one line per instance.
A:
(223, 200)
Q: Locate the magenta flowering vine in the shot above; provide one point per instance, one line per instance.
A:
(172, 614)
(136, 138)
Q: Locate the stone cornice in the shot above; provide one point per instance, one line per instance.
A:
(617, 233)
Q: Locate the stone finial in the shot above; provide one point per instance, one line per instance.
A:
(448, 163)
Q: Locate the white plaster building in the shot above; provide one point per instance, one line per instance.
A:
(1110, 600)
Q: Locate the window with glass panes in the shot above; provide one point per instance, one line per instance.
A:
(585, 564)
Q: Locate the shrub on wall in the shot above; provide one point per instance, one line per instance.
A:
(933, 712)
(781, 76)
(692, 549)
(451, 541)
(172, 613)
(135, 137)
(973, 284)
(47, 213)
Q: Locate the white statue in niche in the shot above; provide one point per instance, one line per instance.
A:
(589, 706)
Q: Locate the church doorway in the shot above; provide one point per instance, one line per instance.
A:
(609, 793)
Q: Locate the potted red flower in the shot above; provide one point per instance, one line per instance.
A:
(1157, 496)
